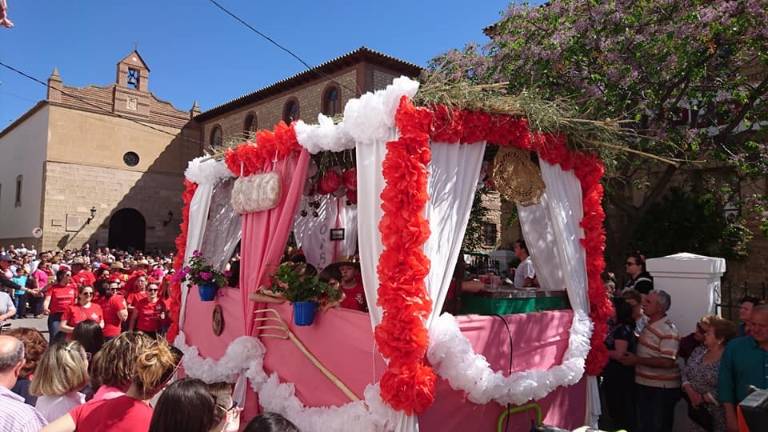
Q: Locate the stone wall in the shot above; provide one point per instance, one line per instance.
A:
(71, 190)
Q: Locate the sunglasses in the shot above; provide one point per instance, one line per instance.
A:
(153, 290)
(88, 294)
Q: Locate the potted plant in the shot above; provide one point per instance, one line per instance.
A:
(305, 291)
(202, 274)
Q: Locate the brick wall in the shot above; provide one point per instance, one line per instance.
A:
(270, 111)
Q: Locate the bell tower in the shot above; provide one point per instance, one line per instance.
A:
(131, 92)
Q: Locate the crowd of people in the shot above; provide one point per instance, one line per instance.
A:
(106, 366)
(126, 385)
(651, 367)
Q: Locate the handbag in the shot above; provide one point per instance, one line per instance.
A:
(700, 415)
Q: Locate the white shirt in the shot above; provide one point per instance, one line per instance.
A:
(53, 407)
(523, 271)
(6, 303)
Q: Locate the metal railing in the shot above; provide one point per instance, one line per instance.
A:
(732, 293)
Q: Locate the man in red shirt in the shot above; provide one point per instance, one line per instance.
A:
(352, 287)
(115, 310)
(80, 274)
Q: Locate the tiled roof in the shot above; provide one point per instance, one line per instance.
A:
(316, 73)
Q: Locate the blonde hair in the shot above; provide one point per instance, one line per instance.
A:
(154, 367)
(62, 369)
(115, 363)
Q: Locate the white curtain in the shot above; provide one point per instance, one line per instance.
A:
(206, 172)
(370, 184)
(313, 233)
(453, 175)
(553, 235)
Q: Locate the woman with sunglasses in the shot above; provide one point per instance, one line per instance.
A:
(639, 279)
(149, 313)
(114, 307)
(58, 298)
(84, 309)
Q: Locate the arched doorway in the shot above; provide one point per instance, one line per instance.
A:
(127, 230)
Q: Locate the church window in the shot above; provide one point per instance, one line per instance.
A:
(133, 78)
(291, 111)
(217, 138)
(251, 125)
(19, 181)
(131, 158)
(331, 101)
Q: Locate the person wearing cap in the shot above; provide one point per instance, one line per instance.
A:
(5, 264)
(80, 273)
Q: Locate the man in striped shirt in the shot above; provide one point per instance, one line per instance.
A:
(656, 373)
(15, 415)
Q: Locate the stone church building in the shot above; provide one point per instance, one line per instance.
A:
(100, 164)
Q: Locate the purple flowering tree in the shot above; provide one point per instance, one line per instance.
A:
(689, 77)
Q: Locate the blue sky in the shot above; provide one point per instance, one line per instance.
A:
(196, 52)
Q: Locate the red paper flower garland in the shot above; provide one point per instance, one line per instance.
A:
(589, 170)
(408, 384)
(178, 259)
(250, 158)
(469, 127)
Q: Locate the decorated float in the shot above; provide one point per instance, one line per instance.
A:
(402, 366)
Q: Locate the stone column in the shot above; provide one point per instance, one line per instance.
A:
(693, 281)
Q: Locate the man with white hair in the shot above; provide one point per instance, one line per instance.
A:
(656, 373)
(15, 415)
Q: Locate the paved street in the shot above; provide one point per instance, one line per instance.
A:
(39, 324)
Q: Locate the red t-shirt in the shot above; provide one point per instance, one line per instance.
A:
(133, 298)
(62, 297)
(111, 306)
(84, 278)
(150, 315)
(76, 314)
(354, 298)
(122, 414)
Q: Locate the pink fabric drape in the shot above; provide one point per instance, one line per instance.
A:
(265, 233)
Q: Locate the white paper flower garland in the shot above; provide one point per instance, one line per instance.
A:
(450, 353)
(204, 170)
(453, 358)
(246, 355)
(368, 118)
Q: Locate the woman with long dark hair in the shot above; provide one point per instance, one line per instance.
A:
(90, 336)
(187, 405)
